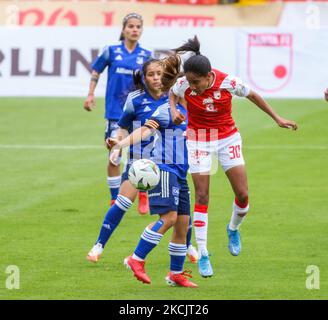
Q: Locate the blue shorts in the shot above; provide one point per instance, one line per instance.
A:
(125, 174)
(111, 129)
(171, 194)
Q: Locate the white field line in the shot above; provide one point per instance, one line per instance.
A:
(87, 147)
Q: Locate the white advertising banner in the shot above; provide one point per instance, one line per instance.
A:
(284, 63)
(56, 61)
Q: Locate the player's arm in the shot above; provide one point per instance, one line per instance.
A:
(175, 94)
(98, 67)
(135, 137)
(90, 101)
(263, 105)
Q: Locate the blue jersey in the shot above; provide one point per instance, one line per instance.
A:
(121, 64)
(170, 150)
(138, 108)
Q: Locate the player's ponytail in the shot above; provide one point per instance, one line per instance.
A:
(197, 64)
(171, 72)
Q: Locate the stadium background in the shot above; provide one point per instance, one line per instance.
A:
(53, 190)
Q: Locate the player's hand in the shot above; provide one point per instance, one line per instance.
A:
(178, 117)
(110, 143)
(326, 94)
(89, 103)
(288, 124)
(115, 155)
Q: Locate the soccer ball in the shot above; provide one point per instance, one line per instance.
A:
(144, 174)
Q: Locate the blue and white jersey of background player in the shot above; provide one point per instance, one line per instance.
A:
(138, 109)
(170, 151)
(121, 64)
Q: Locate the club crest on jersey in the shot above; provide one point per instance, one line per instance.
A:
(145, 101)
(142, 53)
(118, 50)
(140, 60)
(217, 95)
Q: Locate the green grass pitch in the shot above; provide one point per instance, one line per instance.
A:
(53, 198)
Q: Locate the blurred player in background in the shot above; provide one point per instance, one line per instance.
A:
(121, 60)
(170, 199)
(212, 131)
(138, 108)
(326, 94)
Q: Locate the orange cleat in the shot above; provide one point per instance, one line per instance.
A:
(143, 206)
(95, 253)
(192, 254)
(138, 268)
(180, 280)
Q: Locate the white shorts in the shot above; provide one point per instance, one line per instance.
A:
(228, 152)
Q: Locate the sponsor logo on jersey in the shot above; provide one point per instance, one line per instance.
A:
(208, 101)
(147, 109)
(217, 95)
(140, 60)
(124, 71)
(192, 93)
(118, 58)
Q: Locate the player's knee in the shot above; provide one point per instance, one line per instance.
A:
(242, 197)
(170, 220)
(202, 197)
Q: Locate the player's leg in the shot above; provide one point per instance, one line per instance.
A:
(238, 180)
(113, 217)
(149, 239)
(232, 161)
(200, 161)
(178, 246)
(192, 253)
(113, 172)
(162, 201)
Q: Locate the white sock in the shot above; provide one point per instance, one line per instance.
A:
(137, 258)
(238, 215)
(200, 227)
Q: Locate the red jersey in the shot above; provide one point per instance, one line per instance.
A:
(209, 114)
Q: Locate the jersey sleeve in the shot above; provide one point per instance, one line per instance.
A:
(160, 118)
(102, 61)
(128, 114)
(180, 87)
(235, 86)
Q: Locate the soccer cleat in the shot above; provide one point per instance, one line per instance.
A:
(95, 253)
(192, 254)
(143, 206)
(138, 268)
(234, 243)
(204, 266)
(180, 279)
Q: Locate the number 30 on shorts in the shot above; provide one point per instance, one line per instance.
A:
(234, 151)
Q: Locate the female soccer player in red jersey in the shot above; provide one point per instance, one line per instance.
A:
(212, 131)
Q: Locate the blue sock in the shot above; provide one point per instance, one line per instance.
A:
(148, 241)
(113, 218)
(178, 255)
(114, 184)
(189, 233)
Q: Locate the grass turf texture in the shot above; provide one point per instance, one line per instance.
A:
(53, 202)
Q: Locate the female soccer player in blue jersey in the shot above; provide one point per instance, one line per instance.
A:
(139, 106)
(170, 199)
(121, 60)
